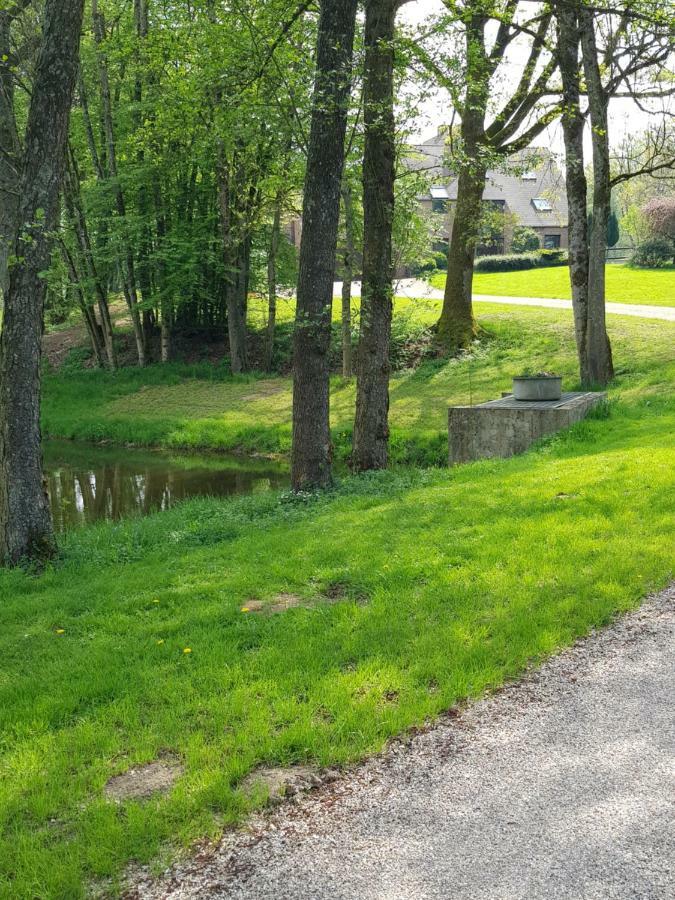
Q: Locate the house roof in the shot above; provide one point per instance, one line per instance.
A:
(543, 179)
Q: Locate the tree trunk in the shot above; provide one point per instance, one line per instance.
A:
(348, 277)
(371, 426)
(25, 521)
(272, 283)
(9, 153)
(88, 315)
(75, 210)
(575, 176)
(129, 274)
(456, 327)
(312, 452)
(598, 349)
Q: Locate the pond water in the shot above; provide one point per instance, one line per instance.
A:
(87, 483)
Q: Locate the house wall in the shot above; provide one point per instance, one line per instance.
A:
(552, 229)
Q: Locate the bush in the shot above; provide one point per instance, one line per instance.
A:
(441, 260)
(512, 262)
(656, 253)
(424, 266)
(525, 240)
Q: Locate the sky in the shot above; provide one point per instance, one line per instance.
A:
(625, 117)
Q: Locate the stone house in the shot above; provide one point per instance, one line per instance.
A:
(531, 195)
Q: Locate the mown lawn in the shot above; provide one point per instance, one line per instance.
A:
(655, 287)
(423, 587)
(203, 407)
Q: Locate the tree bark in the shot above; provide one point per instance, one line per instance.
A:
(456, 327)
(348, 269)
(312, 452)
(600, 370)
(9, 152)
(575, 176)
(25, 521)
(88, 316)
(371, 425)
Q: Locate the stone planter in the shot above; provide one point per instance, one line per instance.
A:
(537, 387)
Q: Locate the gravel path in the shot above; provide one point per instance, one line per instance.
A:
(416, 289)
(559, 786)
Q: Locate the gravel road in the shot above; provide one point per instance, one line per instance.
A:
(559, 786)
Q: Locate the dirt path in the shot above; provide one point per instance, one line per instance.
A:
(562, 785)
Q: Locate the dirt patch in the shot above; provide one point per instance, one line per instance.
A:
(142, 782)
(279, 783)
(278, 604)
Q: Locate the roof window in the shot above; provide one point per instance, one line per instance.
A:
(541, 204)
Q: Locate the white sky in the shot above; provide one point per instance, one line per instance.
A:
(625, 117)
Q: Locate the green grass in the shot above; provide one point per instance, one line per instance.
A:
(654, 287)
(204, 407)
(453, 581)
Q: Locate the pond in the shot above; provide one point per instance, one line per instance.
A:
(87, 482)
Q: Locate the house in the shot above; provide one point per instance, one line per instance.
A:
(532, 194)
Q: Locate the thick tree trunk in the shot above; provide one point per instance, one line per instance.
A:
(348, 276)
(456, 327)
(9, 153)
(371, 425)
(311, 454)
(598, 350)
(575, 176)
(25, 521)
(272, 283)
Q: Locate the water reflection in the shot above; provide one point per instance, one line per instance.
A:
(87, 483)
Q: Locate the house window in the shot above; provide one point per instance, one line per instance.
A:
(551, 241)
(439, 199)
(541, 204)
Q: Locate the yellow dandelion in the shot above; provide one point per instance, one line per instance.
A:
(155, 601)
(187, 649)
(60, 630)
(245, 609)
(160, 641)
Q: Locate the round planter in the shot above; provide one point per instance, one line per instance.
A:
(537, 387)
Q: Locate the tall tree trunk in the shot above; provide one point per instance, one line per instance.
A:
(312, 452)
(234, 257)
(129, 272)
(9, 152)
(348, 269)
(75, 210)
(272, 282)
(371, 425)
(456, 327)
(25, 521)
(88, 315)
(598, 349)
(575, 176)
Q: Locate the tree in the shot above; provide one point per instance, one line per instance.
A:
(25, 521)
(311, 448)
(660, 214)
(371, 427)
(482, 143)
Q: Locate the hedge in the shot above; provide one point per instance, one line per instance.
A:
(511, 262)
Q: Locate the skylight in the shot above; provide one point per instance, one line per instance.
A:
(529, 176)
(541, 204)
(439, 192)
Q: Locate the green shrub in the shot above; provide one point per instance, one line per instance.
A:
(512, 262)
(441, 259)
(525, 240)
(656, 253)
(424, 266)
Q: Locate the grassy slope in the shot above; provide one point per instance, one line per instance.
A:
(655, 287)
(200, 406)
(465, 577)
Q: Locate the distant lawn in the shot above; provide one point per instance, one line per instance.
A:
(655, 287)
(201, 406)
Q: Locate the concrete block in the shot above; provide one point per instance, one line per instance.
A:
(504, 427)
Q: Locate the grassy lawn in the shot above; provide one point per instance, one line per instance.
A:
(466, 576)
(204, 407)
(655, 287)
